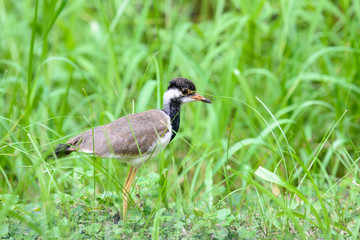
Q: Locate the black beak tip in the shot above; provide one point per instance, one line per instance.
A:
(205, 100)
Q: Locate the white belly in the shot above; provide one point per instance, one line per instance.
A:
(151, 152)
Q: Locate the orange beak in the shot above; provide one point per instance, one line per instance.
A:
(198, 97)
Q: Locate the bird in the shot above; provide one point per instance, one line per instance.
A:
(136, 138)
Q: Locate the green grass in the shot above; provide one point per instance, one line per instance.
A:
(275, 156)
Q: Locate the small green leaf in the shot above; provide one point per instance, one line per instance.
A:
(93, 228)
(223, 213)
(4, 229)
(198, 213)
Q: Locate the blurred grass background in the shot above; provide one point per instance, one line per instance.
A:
(276, 152)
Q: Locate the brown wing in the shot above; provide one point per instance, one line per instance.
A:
(116, 138)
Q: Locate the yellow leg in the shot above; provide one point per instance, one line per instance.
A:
(126, 190)
(128, 176)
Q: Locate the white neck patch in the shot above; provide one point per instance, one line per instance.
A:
(171, 94)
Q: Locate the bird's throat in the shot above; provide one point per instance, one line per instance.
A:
(173, 110)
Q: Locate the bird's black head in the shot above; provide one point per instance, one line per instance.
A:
(182, 83)
(182, 90)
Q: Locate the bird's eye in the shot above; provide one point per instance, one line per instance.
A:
(185, 91)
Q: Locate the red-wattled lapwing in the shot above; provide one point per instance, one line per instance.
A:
(138, 137)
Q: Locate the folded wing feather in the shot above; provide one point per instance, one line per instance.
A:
(125, 136)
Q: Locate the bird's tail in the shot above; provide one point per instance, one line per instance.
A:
(62, 150)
